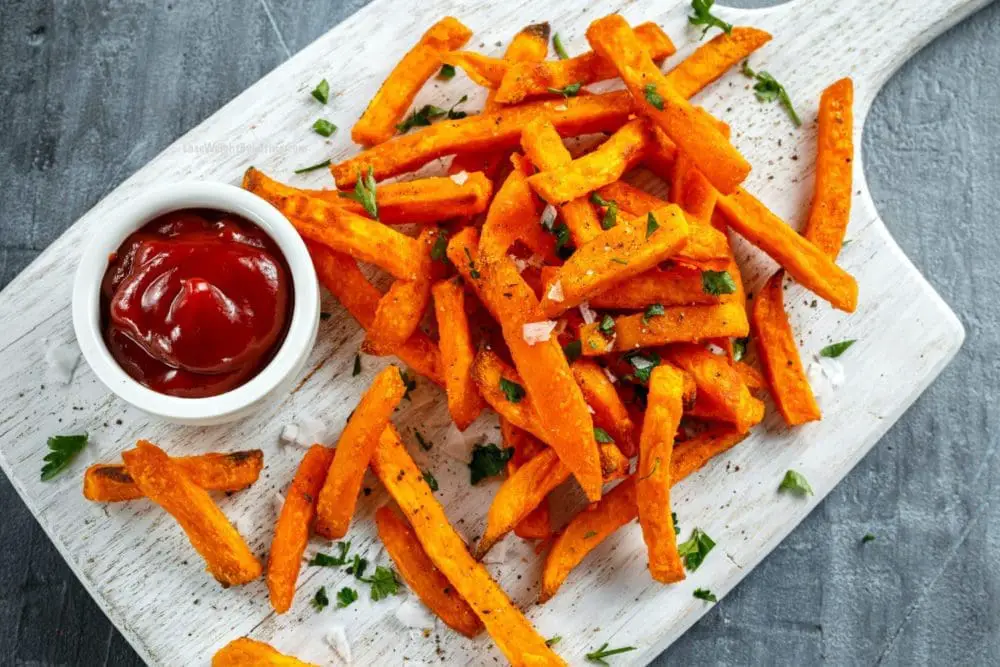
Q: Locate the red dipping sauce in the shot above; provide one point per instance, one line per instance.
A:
(196, 302)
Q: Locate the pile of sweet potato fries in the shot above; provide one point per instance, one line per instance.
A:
(590, 315)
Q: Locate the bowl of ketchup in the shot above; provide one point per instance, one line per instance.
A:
(197, 304)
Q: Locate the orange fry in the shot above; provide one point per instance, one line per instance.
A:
(676, 285)
(396, 94)
(529, 80)
(714, 58)
(291, 532)
(422, 576)
(246, 652)
(563, 413)
(678, 324)
(485, 132)
(231, 471)
(536, 525)
(804, 261)
(694, 134)
(484, 70)
(421, 201)
(457, 353)
(831, 205)
(609, 411)
(719, 386)
(513, 216)
(605, 164)
(488, 370)
(227, 556)
(779, 355)
(339, 494)
(511, 631)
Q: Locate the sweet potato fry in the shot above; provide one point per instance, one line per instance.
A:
(720, 386)
(339, 493)
(831, 205)
(544, 147)
(485, 71)
(630, 199)
(677, 324)
(421, 201)
(402, 307)
(511, 631)
(618, 507)
(622, 252)
(779, 355)
(422, 576)
(537, 524)
(246, 652)
(524, 491)
(532, 79)
(802, 260)
(691, 190)
(609, 411)
(338, 229)
(291, 532)
(231, 471)
(652, 486)
(694, 134)
(227, 556)
(676, 285)
(457, 353)
(396, 94)
(342, 277)
(513, 216)
(714, 58)
(562, 412)
(485, 132)
(752, 378)
(605, 164)
(487, 371)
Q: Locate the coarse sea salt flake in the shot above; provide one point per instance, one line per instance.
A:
(556, 291)
(336, 638)
(548, 216)
(537, 332)
(460, 178)
(587, 313)
(612, 378)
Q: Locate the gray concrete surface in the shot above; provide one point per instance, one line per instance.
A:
(93, 89)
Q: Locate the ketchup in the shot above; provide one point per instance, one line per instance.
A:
(196, 302)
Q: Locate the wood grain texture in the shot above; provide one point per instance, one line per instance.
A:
(321, 398)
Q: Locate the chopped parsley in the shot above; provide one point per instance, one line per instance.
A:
(653, 310)
(62, 450)
(717, 283)
(695, 549)
(424, 444)
(603, 652)
(383, 583)
(796, 483)
(552, 641)
(740, 348)
(439, 251)
(313, 167)
(837, 349)
(867, 538)
(447, 72)
(364, 192)
(602, 436)
(473, 271)
(705, 594)
(768, 90)
(423, 116)
(652, 96)
(323, 127)
(326, 560)
(573, 350)
(673, 519)
(322, 91)
(651, 224)
(487, 461)
(345, 597)
(571, 90)
(320, 601)
(357, 567)
(607, 325)
(357, 366)
(512, 390)
(703, 16)
(557, 45)
(643, 363)
(409, 383)
(431, 480)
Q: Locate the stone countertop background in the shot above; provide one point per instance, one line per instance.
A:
(92, 90)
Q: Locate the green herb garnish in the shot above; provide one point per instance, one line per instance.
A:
(439, 251)
(717, 283)
(653, 310)
(695, 549)
(357, 567)
(677, 527)
(740, 348)
(610, 218)
(512, 390)
(431, 480)
(487, 461)
(560, 50)
(600, 654)
(447, 72)
(326, 560)
(473, 271)
(364, 192)
(383, 583)
(345, 597)
(837, 349)
(768, 90)
(651, 224)
(572, 90)
(320, 601)
(796, 483)
(424, 445)
(653, 96)
(314, 167)
(602, 436)
(62, 450)
(705, 594)
(552, 641)
(322, 91)
(573, 350)
(357, 366)
(703, 16)
(323, 127)
(643, 363)
(607, 325)
(409, 383)
(867, 538)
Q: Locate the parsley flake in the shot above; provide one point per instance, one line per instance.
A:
(473, 271)
(607, 325)
(62, 450)
(409, 383)
(487, 461)
(320, 601)
(610, 218)
(653, 310)
(703, 16)
(323, 127)
(357, 366)
(643, 363)
(602, 436)
(326, 560)
(837, 349)
(512, 390)
(796, 483)
(867, 538)
(652, 96)
(740, 348)
(439, 251)
(677, 527)
(557, 45)
(447, 72)
(345, 597)
(573, 350)
(571, 90)
(383, 583)
(651, 224)
(717, 283)
(768, 89)
(431, 480)
(705, 594)
(424, 444)
(695, 549)
(357, 567)
(364, 192)
(322, 91)
(600, 654)
(313, 167)
(552, 641)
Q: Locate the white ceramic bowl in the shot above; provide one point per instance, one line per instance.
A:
(273, 380)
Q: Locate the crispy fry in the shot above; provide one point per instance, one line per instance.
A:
(422, 201)
(537, 524)
(511, 631)
(338, 229)
(339, 494)
(831, 205)
(422, 576)
(721, 392)
(618, 507)
(396, 94)
(402, 307)
(530, 80)
(484, 70)
(246, 652)
(620, 253)
(227, 556)
(231, 471)
(544, 147)
(457, 353)
(652, 486)
(630, 199)
(485, 132)
(676, 285)
(779, 355)
(694, 134)
(291, 532)
(487, 371)
(603, 165)
(752, 378)
(677, 324)
(804, 261)
(342, 277)
(513, 216)
(524, 491)
(714, 58)
(563, 413)
(691, 190)
(609, 411)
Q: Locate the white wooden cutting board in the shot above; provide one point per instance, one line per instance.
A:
(140, 568)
